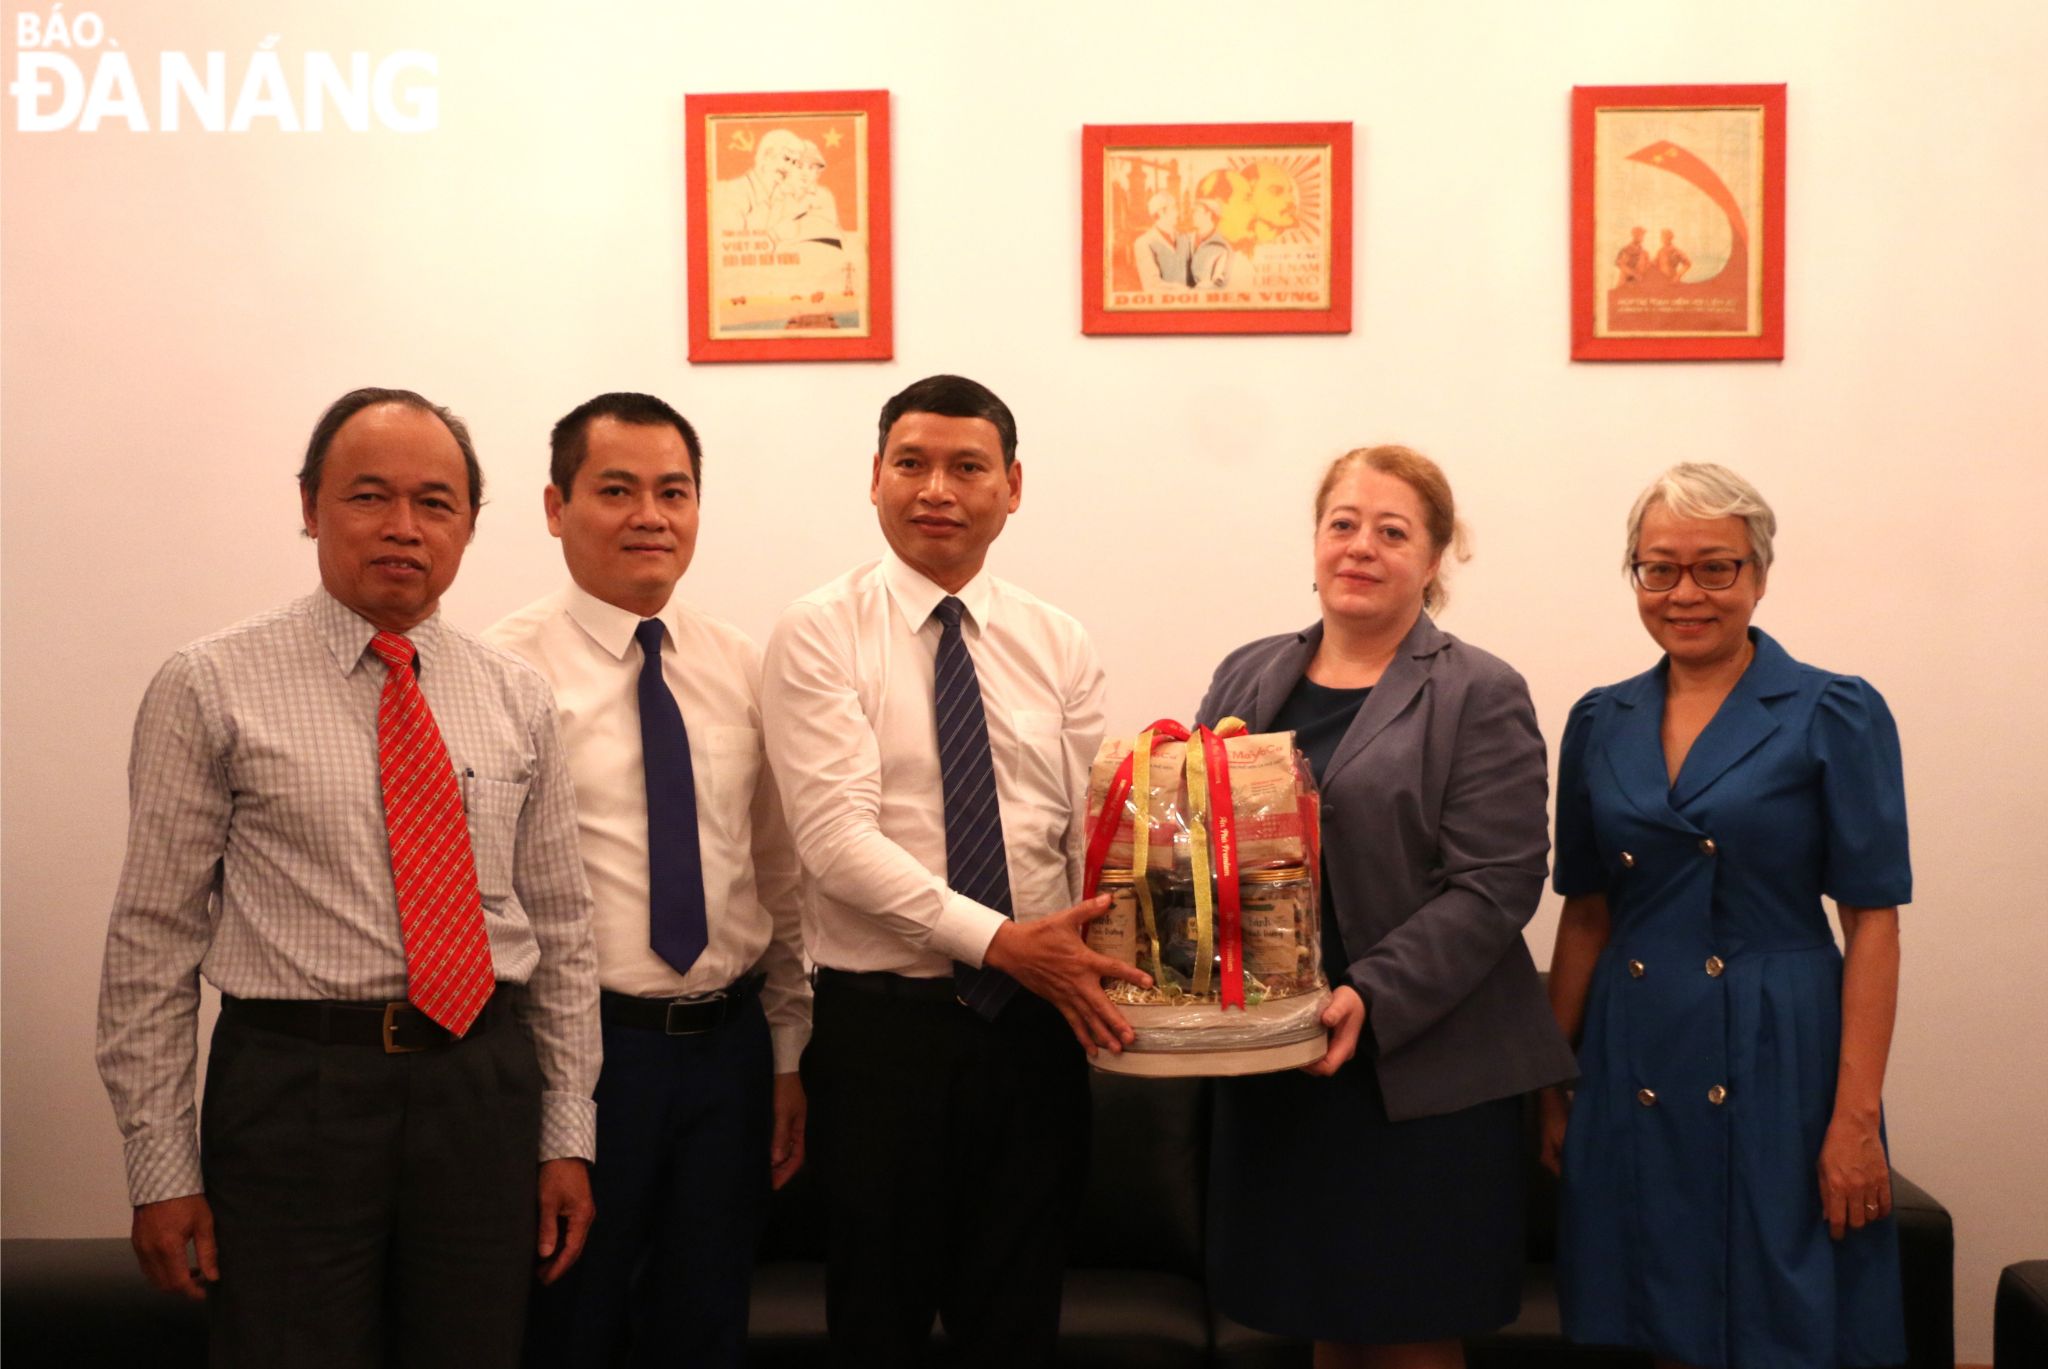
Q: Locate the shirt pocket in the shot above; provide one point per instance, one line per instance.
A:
(1041, 778)
(493, 808)
(1041, 746)
(732, 755)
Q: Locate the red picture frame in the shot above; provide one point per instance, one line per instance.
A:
(1216, 228)
(1702, 167)
(788, 226)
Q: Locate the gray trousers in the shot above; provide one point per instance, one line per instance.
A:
(371, 1209)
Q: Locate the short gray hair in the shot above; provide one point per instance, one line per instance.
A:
(1700, 489)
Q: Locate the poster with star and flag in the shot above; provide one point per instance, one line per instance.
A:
(788, 224)
(1216, 228)
(1678, 222)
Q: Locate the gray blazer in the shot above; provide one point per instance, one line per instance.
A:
(1434, 844)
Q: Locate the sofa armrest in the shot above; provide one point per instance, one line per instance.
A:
(2019, 1335)
(77, 1302)
(1927, 1273)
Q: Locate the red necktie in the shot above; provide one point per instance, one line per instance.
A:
(447, 956)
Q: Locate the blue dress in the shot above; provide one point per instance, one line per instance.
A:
(1691, 1221)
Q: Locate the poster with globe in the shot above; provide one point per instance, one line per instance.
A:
(1678, 215)
(1216, 228)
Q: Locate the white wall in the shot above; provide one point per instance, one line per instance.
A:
(178, 307)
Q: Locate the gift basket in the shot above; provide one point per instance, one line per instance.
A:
(1207, 846)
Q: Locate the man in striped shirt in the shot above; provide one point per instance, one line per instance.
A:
(398, 1092)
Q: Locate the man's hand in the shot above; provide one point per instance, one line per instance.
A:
(566, 1210)
(1344, 1015)
(161, 1232)
(1048, 957)
(786, 1151)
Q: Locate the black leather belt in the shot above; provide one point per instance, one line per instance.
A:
(680, 1016)
(882, 984)
(398, 1027)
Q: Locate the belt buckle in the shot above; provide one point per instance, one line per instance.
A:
(668, 1017)
(392, 1047)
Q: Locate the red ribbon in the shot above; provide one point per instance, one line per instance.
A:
(1112, 812)
(1223, 839)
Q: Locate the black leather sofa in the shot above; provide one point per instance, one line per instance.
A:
(2019, 1327)
(1135, 1297)
(1134, 1294)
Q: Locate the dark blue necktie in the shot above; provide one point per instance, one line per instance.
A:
(675, 867)
(976, 864)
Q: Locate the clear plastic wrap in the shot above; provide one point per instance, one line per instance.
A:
(1219, 902)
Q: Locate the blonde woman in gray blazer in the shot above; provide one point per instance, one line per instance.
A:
(1373, 1202)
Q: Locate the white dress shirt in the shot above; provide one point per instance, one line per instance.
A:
(752, 888)
(258, 857)
(853, 740)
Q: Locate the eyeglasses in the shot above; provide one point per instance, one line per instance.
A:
(1658, 577)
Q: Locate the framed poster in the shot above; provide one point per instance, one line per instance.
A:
(1678, 222)
(789, 226)
(1216, 228)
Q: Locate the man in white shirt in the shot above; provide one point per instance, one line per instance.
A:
(931, 728)
(705, 1005)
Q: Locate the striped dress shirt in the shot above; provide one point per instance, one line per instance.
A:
(846, 690)
(258, 858)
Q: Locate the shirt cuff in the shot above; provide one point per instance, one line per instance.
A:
(568, 1126)
(965, 928)
(789, 1042)
(161, 1167)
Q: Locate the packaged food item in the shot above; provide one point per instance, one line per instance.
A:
(1282, 928)
(1219, 902)
(1275, 814)
(1115, 933)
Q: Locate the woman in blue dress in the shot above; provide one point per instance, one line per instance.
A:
(1726, 1191)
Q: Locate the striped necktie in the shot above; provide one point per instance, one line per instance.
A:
(976, 863)
(448, 972)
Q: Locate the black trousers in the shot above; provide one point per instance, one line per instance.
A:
(371, 1209)
(681, 1181)
(953, 1151)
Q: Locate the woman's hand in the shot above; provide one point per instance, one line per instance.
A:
(1345, 1017)
(1554, 1109)
(1855, 1177)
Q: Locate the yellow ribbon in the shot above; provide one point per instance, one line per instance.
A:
(1198, 852)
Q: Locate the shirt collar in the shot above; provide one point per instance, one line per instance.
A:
(347, 633)
(610, 626)
(916, 597)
